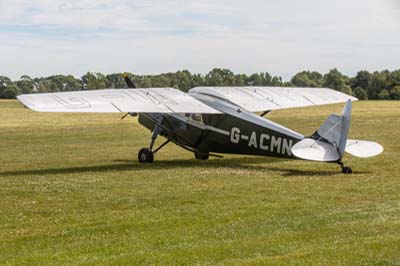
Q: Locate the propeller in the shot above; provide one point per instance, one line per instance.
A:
(131, 85)
(131, 114)
(122, 118)
(128, 81)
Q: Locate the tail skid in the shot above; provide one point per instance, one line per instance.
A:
(330, 142)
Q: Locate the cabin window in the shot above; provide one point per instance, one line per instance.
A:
(197, 117)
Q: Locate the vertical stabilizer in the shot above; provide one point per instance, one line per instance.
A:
(346, 117)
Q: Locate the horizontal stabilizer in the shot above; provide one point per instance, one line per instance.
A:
(362, 148)
(315, 150)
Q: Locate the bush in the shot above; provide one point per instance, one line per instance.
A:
(396, 93)
(384, 95)
(10, 92)
(360, 93)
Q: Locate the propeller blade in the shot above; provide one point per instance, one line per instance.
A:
(122, 118)
(128, 81)
(131, 114)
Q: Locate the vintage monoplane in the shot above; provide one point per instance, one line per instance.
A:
(221, 120)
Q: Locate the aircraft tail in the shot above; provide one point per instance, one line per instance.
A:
(330, 141)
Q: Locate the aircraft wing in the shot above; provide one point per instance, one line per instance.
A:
(153, 100)
(259, 99)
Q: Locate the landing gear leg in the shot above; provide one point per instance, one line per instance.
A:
(345, 169)
(146, 155)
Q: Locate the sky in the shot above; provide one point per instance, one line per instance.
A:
(47, 37)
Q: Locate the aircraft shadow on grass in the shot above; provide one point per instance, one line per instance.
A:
(249, 163)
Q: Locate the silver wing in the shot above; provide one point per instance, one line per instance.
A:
(259, 99)
(153, 100)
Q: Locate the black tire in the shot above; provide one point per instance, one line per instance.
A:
(145, 155)
(201, 156)
(347, 170)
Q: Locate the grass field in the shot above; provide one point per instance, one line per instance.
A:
(72, 193)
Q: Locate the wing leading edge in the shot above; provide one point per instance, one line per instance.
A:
(153, 100)
(169, 100)
(259, 99)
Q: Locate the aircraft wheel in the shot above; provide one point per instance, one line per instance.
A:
(145, 156)
(201, 156)
(347, 170)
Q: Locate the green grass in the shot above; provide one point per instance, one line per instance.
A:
(72, 193)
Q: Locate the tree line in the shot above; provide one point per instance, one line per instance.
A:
(365, 85)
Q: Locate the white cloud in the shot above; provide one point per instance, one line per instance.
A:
(46, 37)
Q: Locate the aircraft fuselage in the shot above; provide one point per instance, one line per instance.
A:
(236, 131)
